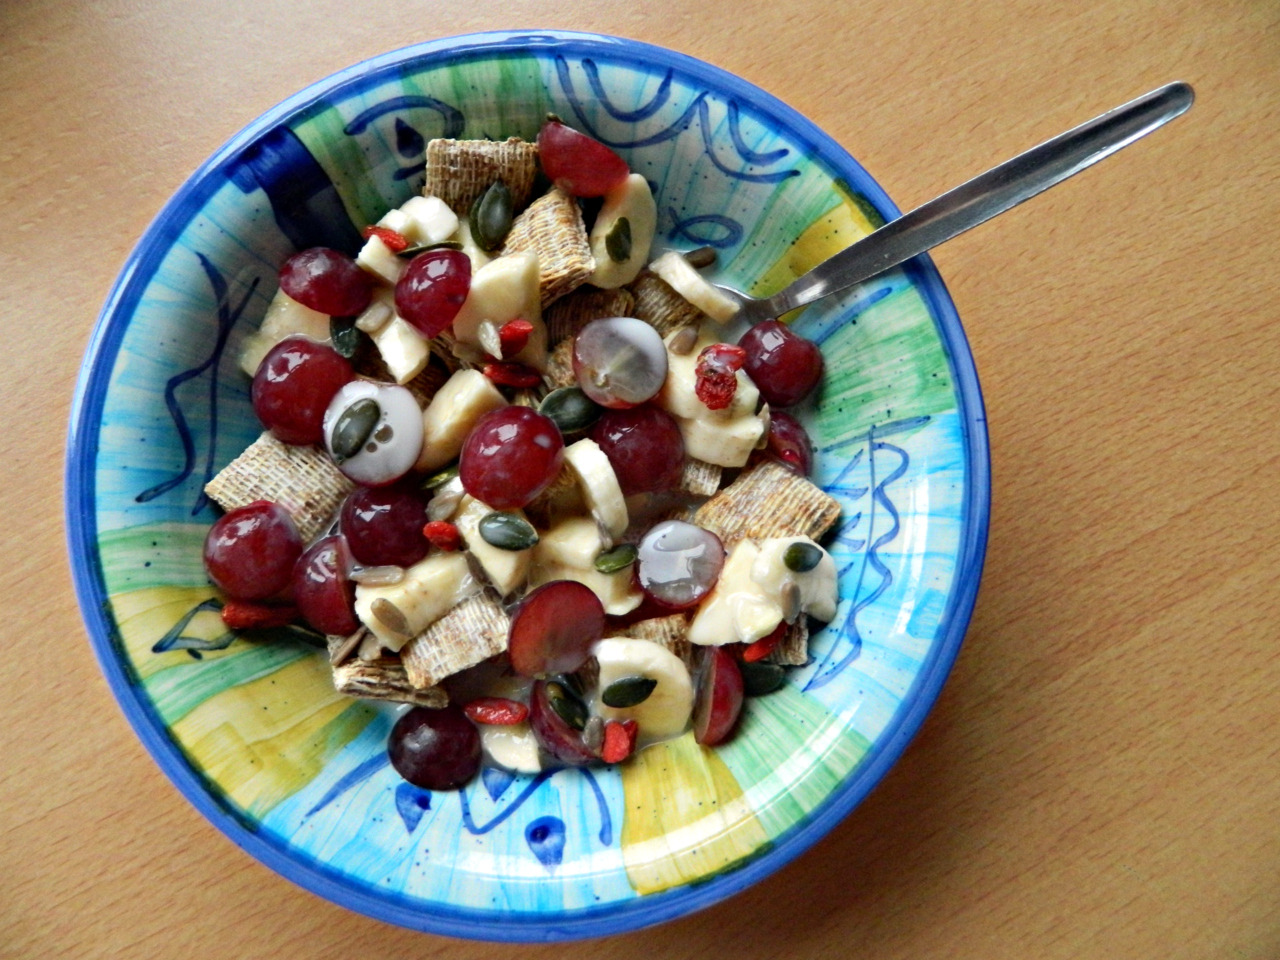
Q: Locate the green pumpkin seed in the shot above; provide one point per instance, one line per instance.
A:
(701, 257)
(567, 707)
(618, 241)
(353, 428)
(619, 558)
(491, 217)
(344, 335)
(571, 409)
(507, 531)
(408, 253)
(572, 682)
(802, 557)
(440, 477)
(759, 679)
(628, 691)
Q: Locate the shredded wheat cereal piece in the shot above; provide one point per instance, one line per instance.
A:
(572, 312)
(384, 679)
(670, 632)
(658, 304)
(793, 651)
(423, 386)
(552, 227)
(559, 371)
(303, 480)
(768, 500)
(474, 630)
(699, 478)
(560, 500)
(459, 171)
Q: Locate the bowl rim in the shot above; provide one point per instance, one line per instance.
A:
(82, 533)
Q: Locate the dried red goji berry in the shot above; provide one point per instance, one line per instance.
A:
(619, 740)
(510, 374)
(252, 615)
(496, 711)
(514, 337)
(395, 241)
(765, 645)
(443, 535)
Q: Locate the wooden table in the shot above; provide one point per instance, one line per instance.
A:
(1100, 776)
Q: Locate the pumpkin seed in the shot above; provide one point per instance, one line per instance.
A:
(507, 531)
(390, 616)
(572, 682)
(408, 253)
(440, 477)
(701, 257)
(353, 428)
(619, 558)
(618, 241)
(628, 691)
(802, 557)
(344, 335)
(491, 217)
(571, 409)
(760, 678)
(568, 707)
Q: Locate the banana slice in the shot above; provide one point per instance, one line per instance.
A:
(818, 593)
(506, 569)
(502, 290)
(396, 613)
(665, 712)
(690, 284)
(513, 747)
(738, 608)
(285, 316)
(403, 349)
(599, 485)
(631, 200)
(465, 397)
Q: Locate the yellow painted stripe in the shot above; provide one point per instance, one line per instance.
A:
(144, 616)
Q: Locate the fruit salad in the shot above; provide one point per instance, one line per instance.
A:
(522, 473)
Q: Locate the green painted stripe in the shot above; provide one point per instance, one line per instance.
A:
(154, 555)
(178, 690)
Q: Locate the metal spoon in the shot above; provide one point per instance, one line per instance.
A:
(974, 201)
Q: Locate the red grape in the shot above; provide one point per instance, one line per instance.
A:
(510, 456)
(552, 731)
(436, 749)
(322, 590)
(788, 442)
(781, 363)
(293, 387)
(249, 553)
(679, 563)
(579, 165)
(644, 446)
(719, 698)
(553, 628)
(383, 525)
(432, 290)
(326, 280)
(619, 361)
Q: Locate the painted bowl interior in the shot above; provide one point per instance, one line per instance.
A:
(254, 734)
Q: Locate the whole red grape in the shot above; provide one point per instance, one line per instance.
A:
(326, 280)
(250, 552)
(510, 456)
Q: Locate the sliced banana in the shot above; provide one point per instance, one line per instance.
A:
(396, 613)
(690, 284)
(817, 587)
(678, 395)
(285, 317)
(631, 200)
(506, 569)
(738, 609)
(726, 443)
(463, 399)
(505, 289)
(513, 747)
(665, 712)
(427, 220)
(618, 592)
(379, 259)
(404, 350)
(573, 542)
(599, 485)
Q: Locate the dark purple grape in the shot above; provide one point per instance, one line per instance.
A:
(436, 749)
(383, 525)
(250, 552)
(322, 590)
(644, 446)
(326, 280)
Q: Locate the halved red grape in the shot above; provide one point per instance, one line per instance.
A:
(326, 280)
(432, 289)
(510, 456)
(781, 363)
(789, 442)
(719, 698)
(579, 165)
(552, 731)
(293, 386)
(383, 525)
(436, 749)
(619, 361)
(644, 446)
(553, 628)
(679, 563)
(249, 553)
(324, 594)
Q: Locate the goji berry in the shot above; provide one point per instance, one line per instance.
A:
(514, 337)
(496, 711)
(442, 535)
(765, 645)
(619, 740)
(510, 374)
(252, 615)
(395, 241)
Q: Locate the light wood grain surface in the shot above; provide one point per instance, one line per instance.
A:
(1100, 777)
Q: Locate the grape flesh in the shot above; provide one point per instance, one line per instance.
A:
(432, 289)
(293, 386)
(579, 165)
(383, 525)
(789, 442)
(553, 733)
(322, 591)
(326, 280)
(510, 456)
(436, 749)
(620, 362)
(553, 628)
(250, 552)
(719, 698)
(679, 563)
(783, 365)
(644, 446)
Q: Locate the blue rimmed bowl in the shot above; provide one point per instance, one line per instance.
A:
(254, 734)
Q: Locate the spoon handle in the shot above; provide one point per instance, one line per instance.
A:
(986, 195)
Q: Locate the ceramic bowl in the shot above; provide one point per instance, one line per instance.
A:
(254, 734)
